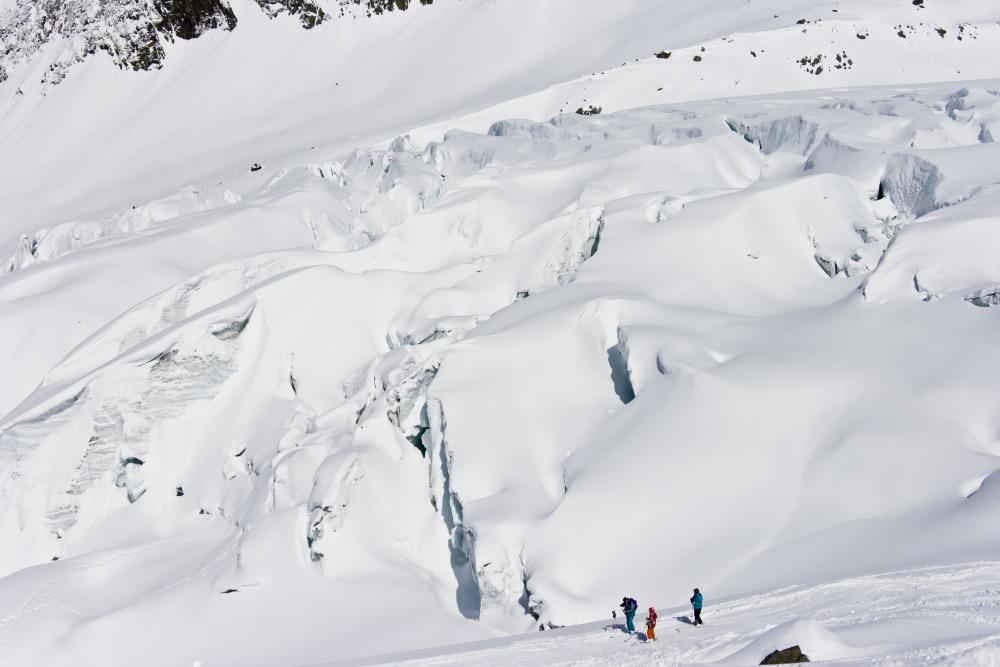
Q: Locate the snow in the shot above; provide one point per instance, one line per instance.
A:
(222, 103)
(450, 366)
(946, 616)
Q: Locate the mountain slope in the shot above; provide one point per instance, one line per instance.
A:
(442, 401)
(936, 616)
(134, 32)
(264, 385)
(222, 102)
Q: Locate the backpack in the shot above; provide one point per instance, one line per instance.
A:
(633, 606)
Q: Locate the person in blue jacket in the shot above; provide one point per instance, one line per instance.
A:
(696, 601)
(629, 606)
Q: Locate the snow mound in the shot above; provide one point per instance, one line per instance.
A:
(816, 641)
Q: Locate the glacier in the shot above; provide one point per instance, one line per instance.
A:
(332, 390)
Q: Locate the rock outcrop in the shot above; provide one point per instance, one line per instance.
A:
(133, 32)
(788, 656)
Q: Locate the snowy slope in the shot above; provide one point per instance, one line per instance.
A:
(940, 616)
(499, 376)
(112, 139)
(720, 345)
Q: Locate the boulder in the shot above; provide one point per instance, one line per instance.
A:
(788, 656)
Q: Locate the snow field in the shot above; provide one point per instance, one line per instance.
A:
(738, 343)
(934, 616)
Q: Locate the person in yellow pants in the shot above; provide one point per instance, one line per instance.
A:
(651, 625)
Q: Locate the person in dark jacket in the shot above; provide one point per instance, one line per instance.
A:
(696, 602)
(629, 606)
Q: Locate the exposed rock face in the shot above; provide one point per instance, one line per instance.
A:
(188, 19)
(789, 656)
(133, 32)
(379, 6)
(309, 14)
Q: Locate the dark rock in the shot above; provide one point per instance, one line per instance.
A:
(310, 15)
(379, 6)
(133, 32)
(663, 54)
(697, 59)
(788, 656)
(188, 19)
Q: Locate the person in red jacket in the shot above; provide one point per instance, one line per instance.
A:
(651, 624)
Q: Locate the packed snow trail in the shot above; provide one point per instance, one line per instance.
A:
(933, 616)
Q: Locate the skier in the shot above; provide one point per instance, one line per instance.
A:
(696, 601)
(629, 606)
(651, 625)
